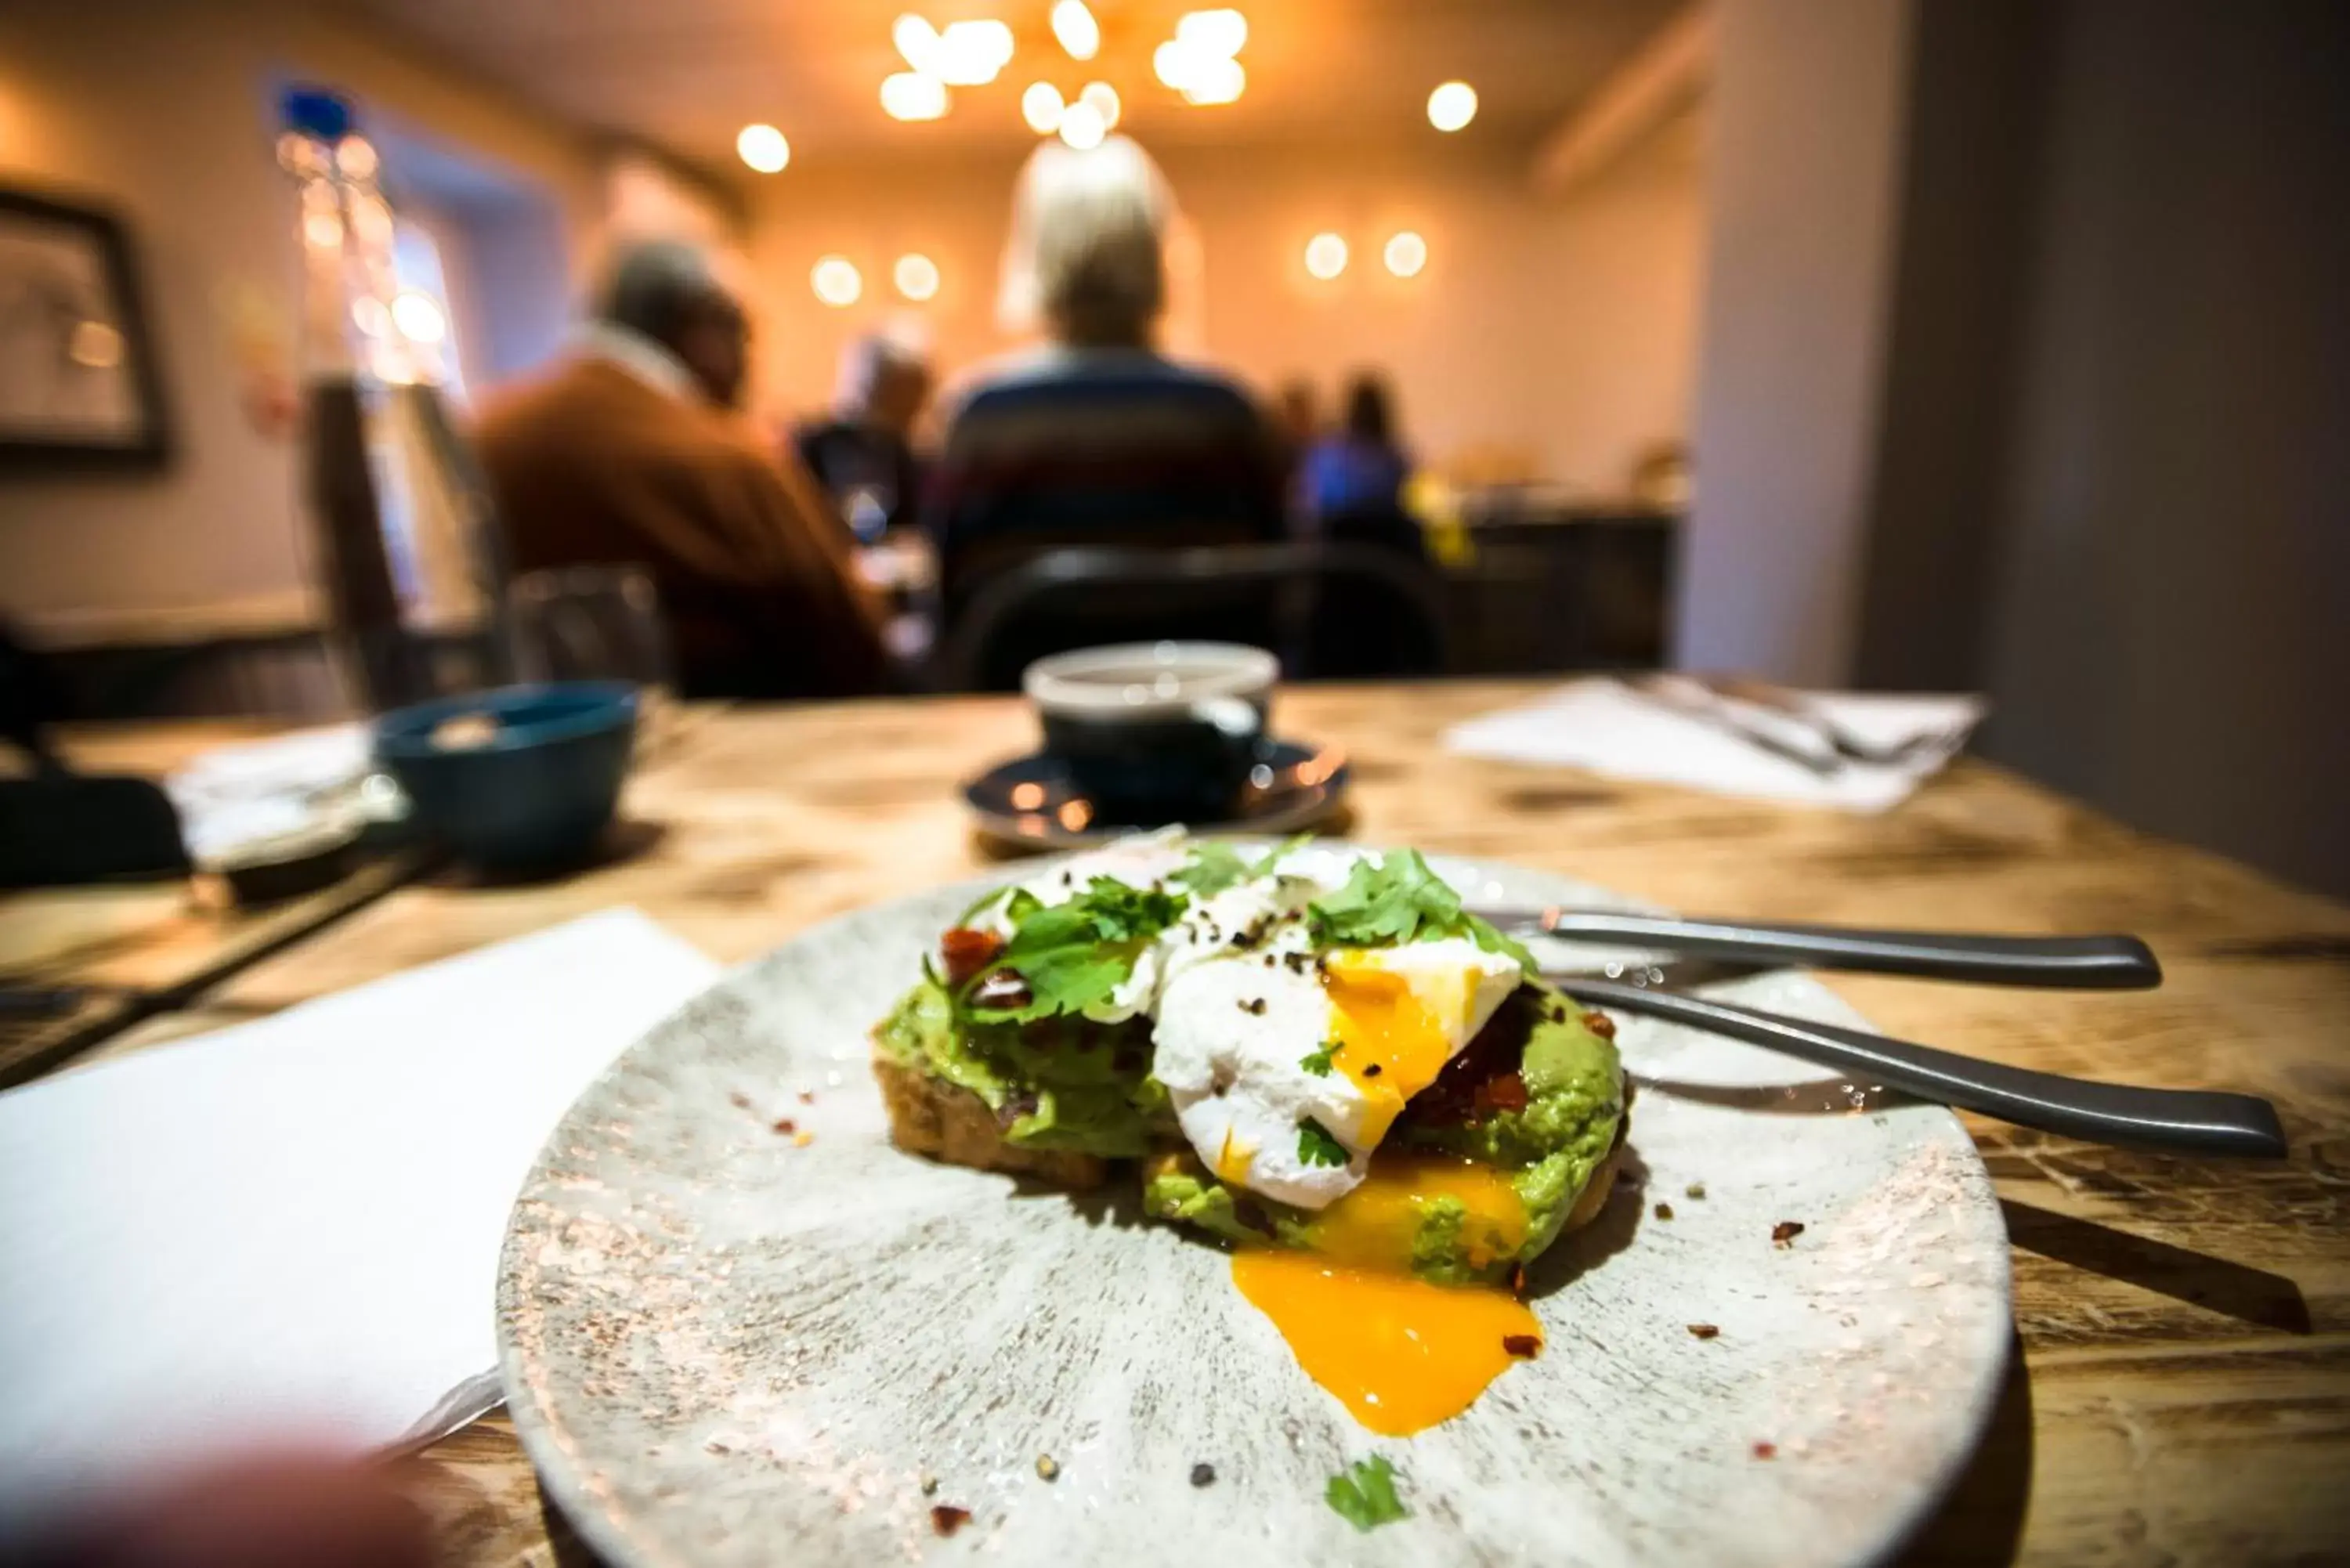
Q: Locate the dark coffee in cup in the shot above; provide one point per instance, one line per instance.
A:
(1156, 732)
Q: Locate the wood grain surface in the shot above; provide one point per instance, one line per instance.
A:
(2180, 1391)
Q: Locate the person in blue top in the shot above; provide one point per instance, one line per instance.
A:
(1351, 487)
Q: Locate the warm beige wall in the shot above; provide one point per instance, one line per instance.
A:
(1808, 110)
(163, 110)
(1565, 329)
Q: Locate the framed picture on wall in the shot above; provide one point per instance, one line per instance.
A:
(78, 387)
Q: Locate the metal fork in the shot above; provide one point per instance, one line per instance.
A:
(2110, 962)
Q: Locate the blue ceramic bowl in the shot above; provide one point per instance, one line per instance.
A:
(533, 794)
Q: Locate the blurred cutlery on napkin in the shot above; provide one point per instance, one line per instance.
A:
(1854, 751)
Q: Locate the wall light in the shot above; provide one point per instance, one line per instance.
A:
(1075, 27)
(763, 147)
(836, 281)
(1082, 126)
(1406, 253)
(1041, 106)
(1451, 106)
(1326, 257)
(911, 94)
(917, 275)
(1103, 100)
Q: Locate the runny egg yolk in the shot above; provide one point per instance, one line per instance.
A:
(1399, 1353)
(1390, 1040)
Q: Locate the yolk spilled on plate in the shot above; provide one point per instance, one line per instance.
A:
(1390, 1042)
(1399, 1353)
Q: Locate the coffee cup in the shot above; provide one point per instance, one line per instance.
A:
(1155, 733)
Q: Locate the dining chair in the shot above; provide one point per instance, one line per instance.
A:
(1330, 610)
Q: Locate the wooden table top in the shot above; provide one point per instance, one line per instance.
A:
(2181, 1392)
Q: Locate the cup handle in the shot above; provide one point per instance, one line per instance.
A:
(1236, 718)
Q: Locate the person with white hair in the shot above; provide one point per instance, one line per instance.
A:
(630, 452)
(1095, 437)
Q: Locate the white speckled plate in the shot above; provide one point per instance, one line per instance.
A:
(726, 1347)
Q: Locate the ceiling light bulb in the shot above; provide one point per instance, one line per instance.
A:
(1041, 106)
(1215, 81)
(917, 275)
(911, 94)
(1075, 27)
(836, 281)
(1082, 126)
(1216, 34)
(1407, 253)
(763, 147)
(971, 53)
(1451, 106)
(1326, 257)
(1104, 99)
(1174, 63)
(916, 40)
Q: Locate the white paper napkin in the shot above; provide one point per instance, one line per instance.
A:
(255, 790)
(1610, 728)
(288, 1231)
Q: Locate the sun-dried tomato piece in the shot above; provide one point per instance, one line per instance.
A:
(1599, 1023)
(1502, 1092)
(1524, 1347)
(946, 1519)
(1785, 1231)
(967, 951)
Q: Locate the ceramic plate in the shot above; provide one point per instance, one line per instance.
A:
(728, 1344)
(1031, 805)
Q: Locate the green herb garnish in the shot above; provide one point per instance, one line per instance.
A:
(1318, 1062)
(1390, 901)
(1364, 1494)
(1317, 1147)
(1216, 865)
(1072, 956)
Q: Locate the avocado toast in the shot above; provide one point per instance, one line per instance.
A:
(1307, 1049)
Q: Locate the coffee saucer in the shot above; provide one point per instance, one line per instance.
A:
(1031, 805)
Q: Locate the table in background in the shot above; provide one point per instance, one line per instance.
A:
(1557, 586)
(2183, 1390)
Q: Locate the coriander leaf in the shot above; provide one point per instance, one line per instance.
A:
(1383, 902)
(980, 905)
(1279, 853)
(1214, 866)
(1495, 940)
(1073, 955)
(1390, 901)
(1364, 1494)
(1318, 1062)
(1317, 1147)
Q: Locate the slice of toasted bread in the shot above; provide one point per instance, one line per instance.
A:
(929, 1115)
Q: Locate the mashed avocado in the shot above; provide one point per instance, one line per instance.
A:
(1057, 1083)
(1549, 1148)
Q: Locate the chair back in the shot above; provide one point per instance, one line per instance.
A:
(1290, 598)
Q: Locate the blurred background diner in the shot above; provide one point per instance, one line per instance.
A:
(1884, 344)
